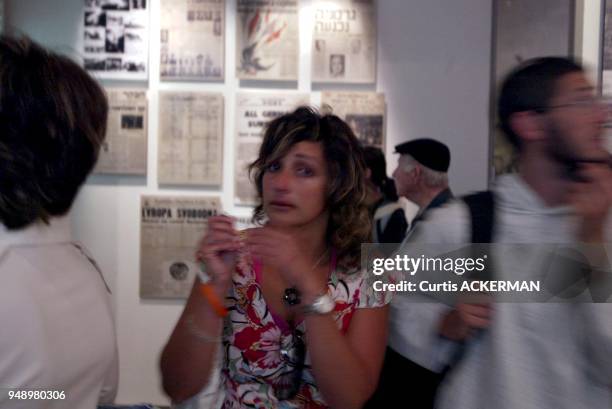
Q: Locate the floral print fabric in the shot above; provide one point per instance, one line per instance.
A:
(253, 340)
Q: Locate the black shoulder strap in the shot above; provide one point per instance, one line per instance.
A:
(482, 212)
(482, 209)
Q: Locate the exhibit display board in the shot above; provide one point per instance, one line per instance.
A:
(190, 149)
(192, 40)
(170, 229)
(124, 150)
(344, 41)
(364, 112)
(267, 40)
(116, 38)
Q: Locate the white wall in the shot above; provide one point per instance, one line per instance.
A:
(433, 66)
(590, 40)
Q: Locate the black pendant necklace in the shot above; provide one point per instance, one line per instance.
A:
(292, 296)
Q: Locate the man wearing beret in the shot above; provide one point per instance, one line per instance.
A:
(421, 175)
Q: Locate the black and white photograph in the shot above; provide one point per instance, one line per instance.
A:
(132, 122)
(368, 128)
(115, 40)
(95, 64)
(94, 35)
(94, 42)
(116, 5)
(336, 65)
(139, 4)
(132, 65)
(95, 18)
(179, 270)
(113, 64)
(117, 30)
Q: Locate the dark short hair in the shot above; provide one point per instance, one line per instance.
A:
(530, 87)
(52, 123)
(349, 222)
(375, 161)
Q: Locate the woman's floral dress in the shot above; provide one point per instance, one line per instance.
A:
(253, 337)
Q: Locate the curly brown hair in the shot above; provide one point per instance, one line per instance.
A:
(349, 222)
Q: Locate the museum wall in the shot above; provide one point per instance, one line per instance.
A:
(433, 66)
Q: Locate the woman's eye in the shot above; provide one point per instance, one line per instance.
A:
(305, 171)
(273, 167)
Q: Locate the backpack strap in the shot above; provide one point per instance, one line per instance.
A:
(482, 212)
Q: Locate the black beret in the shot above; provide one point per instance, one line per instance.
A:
(428, 152)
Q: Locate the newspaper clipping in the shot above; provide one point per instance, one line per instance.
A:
(267, 40)
(115, 38)
(363, 111)
(525, 29)
(124, 150)
(253, 112)
(170, 230)
(607, 50)
(344, 41)
(192, 40)
(190, 138)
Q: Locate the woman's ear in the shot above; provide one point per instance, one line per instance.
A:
(529, 126)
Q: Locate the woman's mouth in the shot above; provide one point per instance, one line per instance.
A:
(281, 205)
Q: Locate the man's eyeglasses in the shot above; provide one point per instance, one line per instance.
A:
(584, 103)
(293, 354)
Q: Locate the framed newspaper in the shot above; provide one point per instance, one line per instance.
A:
(170, 230)
(124, 150)
(364, 112)
(344, 41)
(267, 40)
(606, 48)
(525, 29)
(190, 148)
(192, 40)
(253, 112)
(116, 38)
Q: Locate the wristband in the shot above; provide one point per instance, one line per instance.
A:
(207, 290)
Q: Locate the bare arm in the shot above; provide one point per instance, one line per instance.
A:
(346, 367)
(189, 355)
(187, 360)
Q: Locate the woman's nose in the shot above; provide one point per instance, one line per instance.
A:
(281, 180)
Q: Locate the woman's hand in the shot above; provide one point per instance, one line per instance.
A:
(218, 250)
(281, 251)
